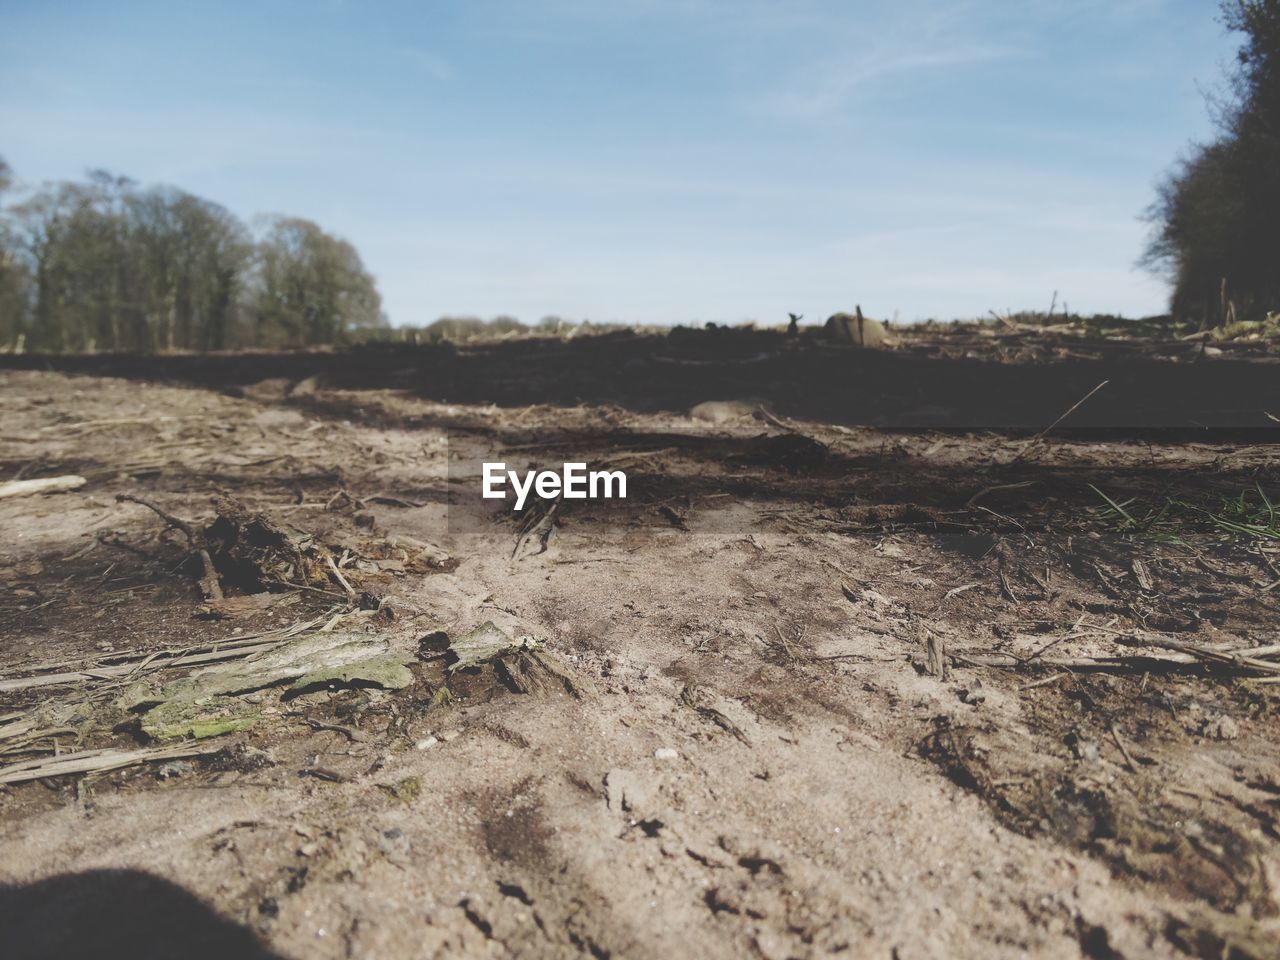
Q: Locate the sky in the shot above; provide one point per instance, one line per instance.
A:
(649, 161)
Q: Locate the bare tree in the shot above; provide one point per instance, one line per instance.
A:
(14, 278)
(312, 288)
(1215, 215)
(104, 265)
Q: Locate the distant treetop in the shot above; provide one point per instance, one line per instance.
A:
(103, 264)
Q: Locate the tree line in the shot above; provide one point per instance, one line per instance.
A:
(105, 264)
(1217, 216)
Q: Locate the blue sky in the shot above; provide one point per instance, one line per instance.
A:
(648, 161)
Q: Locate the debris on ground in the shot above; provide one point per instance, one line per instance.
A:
(245, 555)
(202, 704)
(31, 488)
(231, 608)
(199, 718)
(522, 663)
(90, 761)
(253, 553)
(482, 645)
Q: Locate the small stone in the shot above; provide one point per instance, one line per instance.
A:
(724, 411)
(626, 790)
(426, 743)
(395, 846)
(246, 758)
(1222, 728)
(305, 388)
(1083, 747)
(666, 753)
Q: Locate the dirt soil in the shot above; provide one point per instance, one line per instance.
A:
(824, 690)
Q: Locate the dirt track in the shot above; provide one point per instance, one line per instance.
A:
(793, 608)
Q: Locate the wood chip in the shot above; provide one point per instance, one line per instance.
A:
(1143, 574)
(956, 591)
(91, 761)
(31, 488)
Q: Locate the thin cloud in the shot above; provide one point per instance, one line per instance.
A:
(830, 85)
(428, 63)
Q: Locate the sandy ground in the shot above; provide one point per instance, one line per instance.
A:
(776, 747)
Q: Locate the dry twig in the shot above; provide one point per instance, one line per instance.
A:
(1070, 410)
(209, 583)
(92, 761)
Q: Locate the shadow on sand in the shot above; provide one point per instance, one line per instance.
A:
(108, 914)
(893, 389)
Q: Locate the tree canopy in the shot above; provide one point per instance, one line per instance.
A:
(102, 264)
(1217, 215)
